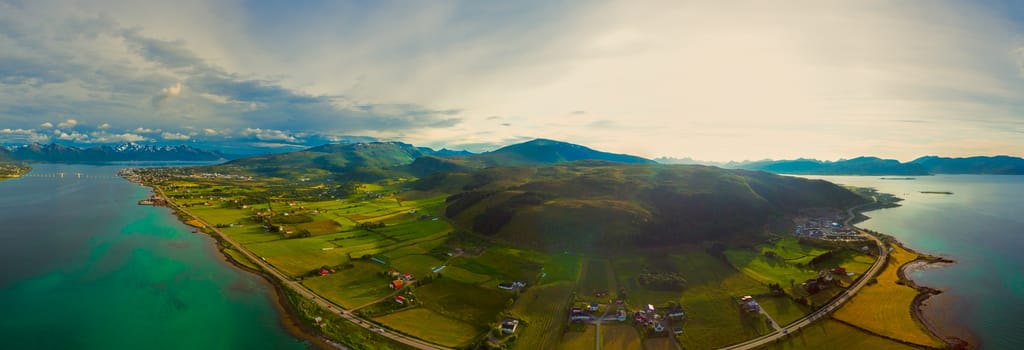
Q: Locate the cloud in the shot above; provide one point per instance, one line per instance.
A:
(73, 136)
(268, 135)
(67, 124)
(103, 137)
(174, 136)
(166, 93)
(46, 125)
(103, 126)
(141, 130)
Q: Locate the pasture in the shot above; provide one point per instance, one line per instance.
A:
(830, 334)
(884, 307)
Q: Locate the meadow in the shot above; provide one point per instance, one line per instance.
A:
(830, 334)
(884, 307)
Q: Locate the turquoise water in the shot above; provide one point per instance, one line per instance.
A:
(83, 267)
(981, 226)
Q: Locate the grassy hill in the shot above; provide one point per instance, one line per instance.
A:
(591, 205)
(544, 151)
(356, 161)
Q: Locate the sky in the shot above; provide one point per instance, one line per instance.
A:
(708, 80)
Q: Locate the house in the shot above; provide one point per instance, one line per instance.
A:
(640, 317)
(749, 305)
(593, 307)
(621, 315)
(649, 309)
(509, 326)
(407, 277)
(579, 316)
(400, 299)
(658, 327)
(396, 284)
(519, 284)
(677, 330)
(839, 270)
(676, 312)
(392, 273)
(506, 286)
(323, 272)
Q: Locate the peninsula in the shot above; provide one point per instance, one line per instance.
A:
(544, 245)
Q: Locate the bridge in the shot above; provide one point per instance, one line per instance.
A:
(71, 176)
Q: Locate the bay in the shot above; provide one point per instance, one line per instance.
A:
(980, 226)
(82, 266)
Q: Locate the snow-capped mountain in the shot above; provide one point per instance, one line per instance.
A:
(123, 152)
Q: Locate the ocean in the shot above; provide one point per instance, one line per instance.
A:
(82, 266)
(980, 226)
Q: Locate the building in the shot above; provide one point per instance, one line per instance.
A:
(400, 299)
(676, 312)
(658, 327)
(593, 307)
(621, 315)
(396, 284)
(749, 304)
(677, 330)
(579, 316)
(506, 286)
(509, 326)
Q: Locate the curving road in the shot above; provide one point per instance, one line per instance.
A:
(302, 290)
(827, 308)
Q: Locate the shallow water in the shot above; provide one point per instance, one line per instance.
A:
(83, 267)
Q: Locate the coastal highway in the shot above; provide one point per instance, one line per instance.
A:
(883, 254)
(302, 290)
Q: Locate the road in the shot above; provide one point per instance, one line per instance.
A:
(827, 308)
(301, 289)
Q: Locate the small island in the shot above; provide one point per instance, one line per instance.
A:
(898, 178)
(936, 192)
(13, 170)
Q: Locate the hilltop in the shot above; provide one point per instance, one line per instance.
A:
(371, 161)
(609, 206)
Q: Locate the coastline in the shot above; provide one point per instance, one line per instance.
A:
(288, 315)
(924, 292)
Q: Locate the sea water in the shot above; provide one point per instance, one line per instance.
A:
(82, 266)
(980, 226)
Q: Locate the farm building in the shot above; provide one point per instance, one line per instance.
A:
(509, 326)
(396, 284)
(749, 304)
(400, 299)
(676, 312)
(621, 315)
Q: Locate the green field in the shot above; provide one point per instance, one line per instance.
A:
(542, 309)
(789, 249)
(352, 287)
(430, 326)
(579, 340)
(829, 334)
(597, 276)
(620, 337)
(768, 270)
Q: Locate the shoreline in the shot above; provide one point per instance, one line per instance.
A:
(924, 292)
(288, 316)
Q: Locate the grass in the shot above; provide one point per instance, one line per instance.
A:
(341, 330)
(659, 343)
(430, 326)
(579, 340)
(620, 337)
(352, 287)
(597, 276)
(240, 258)
(542, 309)
(766, 269)
(789, 248)
(884, 307)
(782, 309)
(829, 334)
(464, 302)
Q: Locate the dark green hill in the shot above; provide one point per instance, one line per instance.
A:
(602, 206)
(544, 151)
(356, 161)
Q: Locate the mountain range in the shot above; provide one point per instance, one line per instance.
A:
(55, 153)
(928, 165)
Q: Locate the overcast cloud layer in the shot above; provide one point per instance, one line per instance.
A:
(694, 79)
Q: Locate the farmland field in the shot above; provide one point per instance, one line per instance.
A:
(352, 287)
(543, 310)
(430, 326)
(829, 334)
(620, 337)
(884, 307)
(578, 340)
